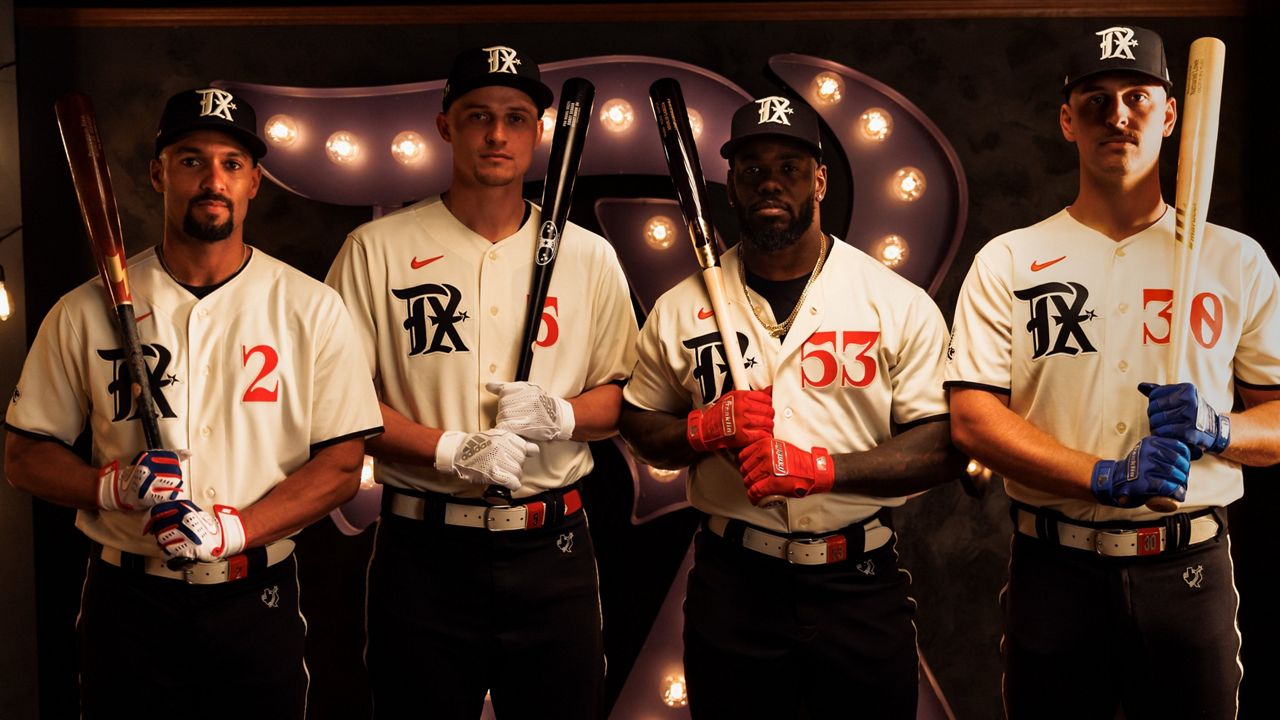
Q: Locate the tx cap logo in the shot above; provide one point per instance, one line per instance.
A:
(502, 59)
(1117, 43)
(216, 103)
(775, 109)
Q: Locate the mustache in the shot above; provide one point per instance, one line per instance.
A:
(210, 195)
(1129, 137)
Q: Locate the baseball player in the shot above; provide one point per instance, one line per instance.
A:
(464, 597)
(846, 418)
(1057, 381)
(263, 405)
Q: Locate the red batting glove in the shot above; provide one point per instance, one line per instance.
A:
(776, 467)
(736, 419)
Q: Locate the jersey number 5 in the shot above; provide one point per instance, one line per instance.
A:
(257, 392)
(833, 360)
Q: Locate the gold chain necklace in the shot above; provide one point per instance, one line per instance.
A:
(779, 330)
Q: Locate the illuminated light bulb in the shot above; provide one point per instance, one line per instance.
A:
(892, 250)
(281, 130)
(695, 123)
(675, 693)
(908, 184)
(548, 124)
(343, 148)
(6, 303)
(408, 148)
(366, 474)
(659, 232)
(973, 469)
(828, 88)
(875, 124)
(663, 476)
(617, 115)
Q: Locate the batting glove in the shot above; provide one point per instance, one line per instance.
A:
(1156, 466)
(776, 467)
(183, 530)
(492, 457)
(530, 412)
(737, 419)
(154, 476)
(1179, 412)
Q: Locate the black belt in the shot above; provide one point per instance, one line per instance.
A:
(1120, 538)
(544, 510)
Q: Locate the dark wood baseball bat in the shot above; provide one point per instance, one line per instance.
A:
(573, 117)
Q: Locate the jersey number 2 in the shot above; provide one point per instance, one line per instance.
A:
(257, 392)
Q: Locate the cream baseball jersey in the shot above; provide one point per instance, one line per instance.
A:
(1067, 322)
(439, 311)
(864, 356)
(251, 379)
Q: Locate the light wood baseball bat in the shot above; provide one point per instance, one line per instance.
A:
(1197, 150)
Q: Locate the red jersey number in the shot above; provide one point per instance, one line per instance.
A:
(550, 329)
(828, 352)
(257, 391)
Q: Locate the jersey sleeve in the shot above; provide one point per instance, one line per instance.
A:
(51, 399)
(345, 404)
(613, 341)
(981, 350)
(917, 372)
(349, 275)
(653, 384)
(1257, 360)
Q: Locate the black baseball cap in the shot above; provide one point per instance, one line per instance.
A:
(1116, 48)
(496, 65)
(774, 116)
(210, 109)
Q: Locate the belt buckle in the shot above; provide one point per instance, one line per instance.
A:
(815, 551)
(517, 511)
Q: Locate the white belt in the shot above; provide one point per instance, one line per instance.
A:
(1118, 543)
(806, 551)
(201, 573)
(516, 517)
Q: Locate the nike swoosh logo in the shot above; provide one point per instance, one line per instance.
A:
(1037, 266)
(142, 317)
(704, 313)
(415, 263)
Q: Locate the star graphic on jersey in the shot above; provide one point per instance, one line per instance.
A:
(464, 316)
(751, 362)
(1089, 315)
(173, 379)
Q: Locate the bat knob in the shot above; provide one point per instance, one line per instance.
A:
(769, 502)
(497, 495)
(1162, 505)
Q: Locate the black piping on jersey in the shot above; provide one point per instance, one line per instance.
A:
(940, 417)
(367, 433)
(976, 386)
(203, 291)
(38, 437)
(1256, 386)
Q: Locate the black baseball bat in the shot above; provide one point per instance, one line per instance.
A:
(572, 120)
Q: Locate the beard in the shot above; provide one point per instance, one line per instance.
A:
(209, 232)
(769, 237)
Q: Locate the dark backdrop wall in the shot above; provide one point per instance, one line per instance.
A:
(990, 84)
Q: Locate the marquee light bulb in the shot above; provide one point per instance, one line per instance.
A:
(659, 232)
(876, 124)
(908, 184)
(281, 130)
(343, 147)
(617, 115)
(828, 88)
(892, 250)
(408, 148)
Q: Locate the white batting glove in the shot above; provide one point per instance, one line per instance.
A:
(492, 457)
(530, 412)
(154, 476)
(183, 530)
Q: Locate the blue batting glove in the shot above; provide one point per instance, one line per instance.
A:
(1180, 413)
(1156, 466)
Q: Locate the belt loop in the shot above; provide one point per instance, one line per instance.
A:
(1220, 514)
(856, 538)
(1177, 531)
(555, 507)
(734, 530)
(1047, 528)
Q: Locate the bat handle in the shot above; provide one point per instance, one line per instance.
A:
(497, 495)
(1163, 505)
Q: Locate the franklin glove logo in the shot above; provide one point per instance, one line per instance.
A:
(216, 103)
(774, 109)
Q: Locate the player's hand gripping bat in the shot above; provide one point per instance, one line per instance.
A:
(92, 183)
(572, 119)
(691, 192)
(1197, 150)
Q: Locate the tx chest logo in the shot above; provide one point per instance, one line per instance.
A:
(710, 366)
(431, 318)
(121, 387)
(1057, 318)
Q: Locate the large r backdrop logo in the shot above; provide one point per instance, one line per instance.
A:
(1057, 317)
(710, 366)
(442, 334)
(121, 385)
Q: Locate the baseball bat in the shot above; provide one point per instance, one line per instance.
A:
(1197, 151)
(92, 181)
(691, 192)
(573, 117)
